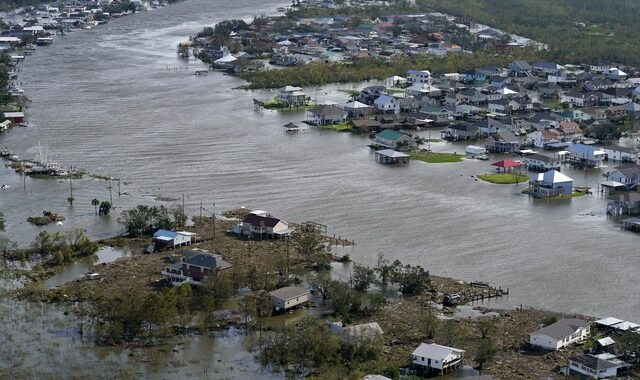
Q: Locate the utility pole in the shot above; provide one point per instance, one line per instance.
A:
(183, 203)
(70, 192)
(119, 193)
(200, 211)
(286, 242)
(110, 193)
(214, 220)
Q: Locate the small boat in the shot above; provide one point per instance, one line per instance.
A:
(480, 284)
(24, 125)
(92, 276)
(4, 187)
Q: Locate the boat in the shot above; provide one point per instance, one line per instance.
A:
(480, 284)
(4, 187)
(451, 299)
(5, 153)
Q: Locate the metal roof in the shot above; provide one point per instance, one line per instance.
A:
(562, 328)
(435, 351)
(289, 292)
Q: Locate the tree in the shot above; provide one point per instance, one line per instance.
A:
(105, 208)
(362, 277)
(549, 320)
(309, 243)
(412, 279)
(485, 326)
(95, 203)
(429, 326)
(449, 332)
(486, 352)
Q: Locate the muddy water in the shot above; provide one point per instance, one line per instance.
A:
(115, 101)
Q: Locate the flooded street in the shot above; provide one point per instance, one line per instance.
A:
(116, 101)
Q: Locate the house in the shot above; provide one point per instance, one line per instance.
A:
(461, 132)
(291, 96)
(419, 77)
(543, 138)
(395, 81)
(586, 155)
(326, 114)
(628, 175)
(428, 358)
(549, 184)
(194, 267)
(368, 95)
(365, 125)
(615, 73)
(562, 333)
(420, 90)
(580, 99)
(625, 203)
(357, 109)
(163, 239)
(288, 297)
(621, 154)
(394, 140)
(632, 109)
(503, 141)
(542, 163)
(520, 68)
(547, 67)
(503, 106)
(261, 223)
(387, 104)
(600, 366)
(14, 117)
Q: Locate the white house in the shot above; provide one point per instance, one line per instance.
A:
(420, 90)
(434, 357)
(601, 366)
(540, 162)
(419, 76)
(288, 297)
(560, 334)
(387, 104)
(395, 81)
(587, 155)
(290, 95)
(357, 109)
(628, 174)
(621, 154)
(615, 74)
(171, 239)
(261, 223)
(550, 184)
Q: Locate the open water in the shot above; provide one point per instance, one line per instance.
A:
(117, 101)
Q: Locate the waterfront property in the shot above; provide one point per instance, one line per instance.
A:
(550, 184)
(473, 151)
(624, 203)
(163, 239)
(628, 175)
(394, 140)
(262, 224)
(291, 296)
(611, 324)
(291, 96)
(434, 358)
(326, 114)
(560, 334)
(620, 154)
(391, 157)
(540, 162)
(600, 366)
(586, 155)
(194, 267)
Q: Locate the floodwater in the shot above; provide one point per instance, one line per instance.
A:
(110, 101)
(117, 101)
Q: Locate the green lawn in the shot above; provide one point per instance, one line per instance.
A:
(577, 192)
(342, 127)
(503, 178)
(435, 157)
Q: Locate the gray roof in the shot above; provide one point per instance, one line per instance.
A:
(593, 362)
(629, 170)
(289, 292)
(328, 111)
(562, 328)
(434, 351)
(543, 158)
(204, 260)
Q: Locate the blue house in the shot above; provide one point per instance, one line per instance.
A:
(164, 239)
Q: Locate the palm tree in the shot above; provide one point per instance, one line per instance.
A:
(95, 202)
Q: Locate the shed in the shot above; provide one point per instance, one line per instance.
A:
(288, 297)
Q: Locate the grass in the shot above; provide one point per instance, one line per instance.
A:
(577, 192)
(342, 127)
(435, 157)
(503, 178)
